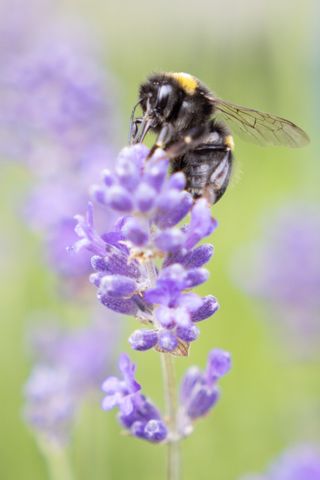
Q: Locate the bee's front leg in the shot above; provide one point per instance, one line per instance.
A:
(134, 124)
(164, 137)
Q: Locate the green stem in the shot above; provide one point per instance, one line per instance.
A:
(58, 464)
(173, 453)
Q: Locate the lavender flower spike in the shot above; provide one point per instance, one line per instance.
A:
(199, 391)
(136, 412)
(147, 265)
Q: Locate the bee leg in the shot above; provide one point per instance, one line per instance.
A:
(134, 129)
(174, 147)
(164, 137)
(219, 178)
(188, 140)
(133, 122)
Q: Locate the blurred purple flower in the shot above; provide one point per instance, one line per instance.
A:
(150, 205)
(60, 71)
(136, 413)
(57, 117)
(68, 366)
(50, 403)
(299, 463)
(283, 270)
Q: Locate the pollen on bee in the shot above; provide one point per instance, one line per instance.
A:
(229, 142)
(187, 139)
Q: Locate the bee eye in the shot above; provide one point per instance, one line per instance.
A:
(163, 96)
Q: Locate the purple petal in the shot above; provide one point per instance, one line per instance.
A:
(177, 181)
(109, 402)
(119, 199)
(199, 256)
(117, 263)
(190, 259)
(98, 263)
(136, 154)
(165, 316)
(95, 278)
(182, 317)
(208, 308)
(172, 207)
(167, 341)
(169, 240)
(98, 194)
(192, 377)
(128, 368)
(196, 276)
(173, 277)
(117, 286)
(155, 431)
(107, 177)
(189, 334)
(128, 173)
(201, 224)
(137, 429)
(190, 301)
(137, 231)
(155, 173)
(111, 385)
(143, 339)
(219, 364)
(157, 295)
(126, 405)
(119, 305)
(202, 401)
(145, 197)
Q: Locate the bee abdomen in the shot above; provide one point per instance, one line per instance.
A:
(207, 171)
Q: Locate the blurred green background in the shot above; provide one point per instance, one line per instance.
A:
(263, 54)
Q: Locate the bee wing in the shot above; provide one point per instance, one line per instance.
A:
(259, 127)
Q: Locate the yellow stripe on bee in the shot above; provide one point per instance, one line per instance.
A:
(186, 81)
(229, 142)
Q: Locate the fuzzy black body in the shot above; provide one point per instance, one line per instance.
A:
(178, 108)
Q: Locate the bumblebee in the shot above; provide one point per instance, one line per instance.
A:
(188, 120)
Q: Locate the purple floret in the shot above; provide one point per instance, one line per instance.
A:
(121, 393)
(199, 391)
(136, 413)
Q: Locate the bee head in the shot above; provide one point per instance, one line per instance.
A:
(159, 95)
